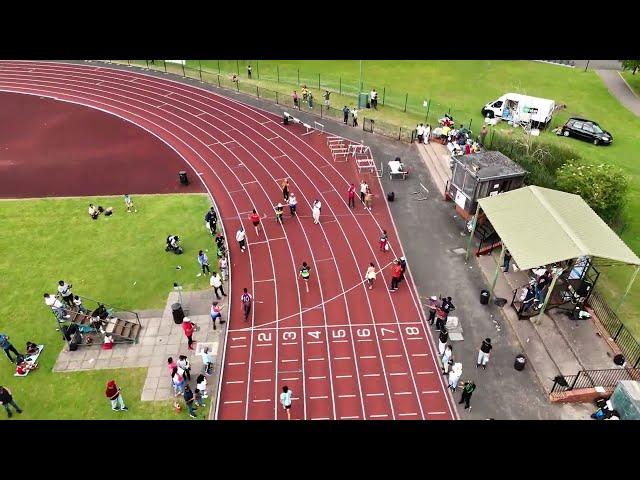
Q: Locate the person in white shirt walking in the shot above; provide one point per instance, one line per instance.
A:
(293, 202)
(354, 113)
(364, 189)
(222, 264)
(203, 260)
(317, 205)
(129, 203)
(285, 400)
(246, 301)
(241, 238)
(374, 99)
(65, 292)
(57, 307)
(370, 276)
(216, 283)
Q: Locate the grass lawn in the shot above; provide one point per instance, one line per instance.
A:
(46, 240)
(462, 88)
(633, 81)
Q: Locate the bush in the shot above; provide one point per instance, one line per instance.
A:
(603, 187)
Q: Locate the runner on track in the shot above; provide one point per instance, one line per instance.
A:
(285, 400)
(370, 276)
(292, 204)
(317, 205)
(246, 300)
(285, 189)
(305, 273)
(384, 238)
(351, 194)
(255, 219)
(240, 237)
(279, 209)
(396, 272)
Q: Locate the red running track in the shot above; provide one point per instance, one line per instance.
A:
(345, 351)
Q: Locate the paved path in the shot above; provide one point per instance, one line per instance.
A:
(619, 89)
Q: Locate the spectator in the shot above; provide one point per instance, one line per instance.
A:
(364, 189)
(93, 212)
(188, 328)
(420, 133)
(178, 381)
(294, 95)
(426, 133)
(203, 260)
(354, 113)
(207, 362)
(216, 313)
(447, 306)
(467, 390)
(198, 397)
(368, 201)
(441, 318)
(216, 283)
(114, 395)
(383, 240)
(201, 385)
(432, 304)
(443, 338)
(374, 99)
(454, 376)
(222, 264)
(6, 399)
(249, 72)
(183, 363)
(171, 364)
(293, 203)
(403, 266)
(220, 243)
(57, 307)
(345, 114)
(77, 301)
(483, 134)
(129, 203)
(507, 260)
(240, 237)
(32, 348)
(8, 347)
(65, 292)
(189, 400)
(325, 97)
(310, 100)
(211, 220)
(447, 359)
(484, 352)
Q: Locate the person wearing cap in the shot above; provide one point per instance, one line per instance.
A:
(443, 338)
(279, 211)
(396, 273)
(115, 397)
(188, 328)
(432, 305)
(483, 353)
(293, 203)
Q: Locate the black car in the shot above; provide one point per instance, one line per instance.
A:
(586, 130)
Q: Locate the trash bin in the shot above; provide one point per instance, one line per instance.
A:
(285, 119)
(363, 99)
(183, 177)
(484, 297)
(177, 312)
(520, 362)
(619, 359)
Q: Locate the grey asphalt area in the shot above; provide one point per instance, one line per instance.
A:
(619, 89)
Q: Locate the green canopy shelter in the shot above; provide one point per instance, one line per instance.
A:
(540, 226)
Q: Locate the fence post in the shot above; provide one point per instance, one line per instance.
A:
(278, 72)
(340, 88)
(219, 81)
(200, 69)
(470, 122)
(428, 107)
(277, 103)
(147, 63)
(618, 332)
(318, 81)
(258, 68)
(183, 74)
(400, 132)
(321, 110)
(298, 76)
(406, 98)
(165, 65)
(129, 62)
(575, 380)
(238, 67)
(257, 92)
(238, 86)
(218, 67)
(384, 91)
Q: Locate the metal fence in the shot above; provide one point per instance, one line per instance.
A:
(628, 345)
(594, 378)
(316, 84)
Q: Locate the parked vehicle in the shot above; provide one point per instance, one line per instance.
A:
(586, 130)
(521, 108)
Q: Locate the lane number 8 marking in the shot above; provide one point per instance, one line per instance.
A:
(412, 330)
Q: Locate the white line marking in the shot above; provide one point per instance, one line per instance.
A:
(343, 376)
(349, 418)
(291, 379)
(245, 329)
(419, 354)
(265, 280)
(398, 373)
(290, 360)
(342, 358)
(264, 361)
(431, 391)
(407, 414)
(371, 375)
(316, 378)
(393, 356)
(389, 339)
(315, 359)
(270, 240)
(415, 338)
(289, 343)
(262, 400)
(236, 381)
(230, 141)
(423, 373)
(233, 401)
(236, 363)
(379, 416)
(347, 396)
(368, 356)
(263, 344)
(238, 346)
(402, 393)
(318, 398)
(247, 183)
(436, 413)
(321, 418)
(272, 139)
(200, 114)
(263, 380)
(324, 259)
(375, 394)
(365, 340)
(320, 341)
(340, 341)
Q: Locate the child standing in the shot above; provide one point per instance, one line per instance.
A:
(129, 203)
(293, 202)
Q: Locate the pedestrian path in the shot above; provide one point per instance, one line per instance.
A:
(619, 89)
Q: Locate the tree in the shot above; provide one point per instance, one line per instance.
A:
(603, 187)
(632, 65)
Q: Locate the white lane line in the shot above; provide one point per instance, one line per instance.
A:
(346, 396)
(316, 378)
(348, 418)
(233, 401)
(315, 359)
(419, 354)
(230, 141)
(200, 114)
(407, 414)
(324, 259)
(264, 380)
(431, 391)
(393, 356)
(317, 398)
(236, 363)
(343, 376)
(265, 280)
(368, 356)
(436, 413)
(291, 379)
(379, 416)
(321, 418)
(319, 341)
(364, 339)
(264, 361)
(399, 373)
(235, 381)
(392, 339)
(342, 358)
(339, 341)
(371, 375)
(262, 400)
(267, 241)
(264, 344)
(237, 346)
(289, 343)
(423, 373)
(402, 393)
(272, 139)
(415, 338)
(291, 360)
(375, 394)
(238, 338)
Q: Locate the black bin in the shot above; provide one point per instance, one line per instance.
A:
(285, 119)
(177, 312)
(183, 177)
(484, 297)
(520, 362)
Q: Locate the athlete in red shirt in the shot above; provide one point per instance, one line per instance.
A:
(255, 219)
(352, 195)
(396, 273)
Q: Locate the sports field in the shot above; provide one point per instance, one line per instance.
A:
(463, 87)
(633, 81)
(119, 260)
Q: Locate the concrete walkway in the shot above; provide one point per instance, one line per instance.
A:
(619, 89)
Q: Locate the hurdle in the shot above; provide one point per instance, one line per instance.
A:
(319, 127)
(308, 127)
(420, 195)
(380, 172)
(365, 164)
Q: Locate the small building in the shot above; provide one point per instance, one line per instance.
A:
(480, 175)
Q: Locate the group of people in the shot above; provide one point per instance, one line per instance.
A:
(307, 96)
(23, 362)
(180, 374)
(354, 115)
(55, 302)
(95, 212)
(535, 293)
(423, 133)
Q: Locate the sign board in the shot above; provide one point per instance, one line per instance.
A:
(460, 199)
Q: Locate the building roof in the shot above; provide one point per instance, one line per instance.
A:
(540, 226)
(485, 165)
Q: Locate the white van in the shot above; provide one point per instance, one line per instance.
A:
(521, 108)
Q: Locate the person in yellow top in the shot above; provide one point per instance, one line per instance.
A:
(279, 209)
(305, 273)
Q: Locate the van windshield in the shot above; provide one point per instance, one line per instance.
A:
(596, 128)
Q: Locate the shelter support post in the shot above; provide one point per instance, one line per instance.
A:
(626, 292)
(495, 275)
(556, 275)
(474, 222)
